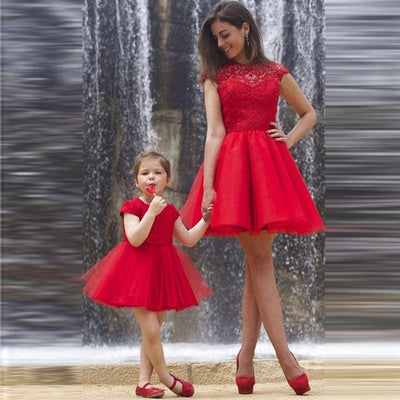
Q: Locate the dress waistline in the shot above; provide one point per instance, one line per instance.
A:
(247, 131)
(152, 244)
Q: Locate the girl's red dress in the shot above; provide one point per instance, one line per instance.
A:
(156, 275)
(257, 182)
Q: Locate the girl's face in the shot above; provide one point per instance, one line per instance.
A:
(151, 175)
(230, 40)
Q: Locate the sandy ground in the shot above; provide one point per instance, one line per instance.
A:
(336, 380)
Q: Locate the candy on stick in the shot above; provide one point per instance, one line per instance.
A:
(151, 189)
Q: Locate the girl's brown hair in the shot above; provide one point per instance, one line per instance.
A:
(150, 154)
(211, 57)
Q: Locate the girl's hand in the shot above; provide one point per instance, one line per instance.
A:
(207, 214)
(208, 199)
(278, 135)
(157, 205)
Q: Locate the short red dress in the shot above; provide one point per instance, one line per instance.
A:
(156, 275)
(257, 182)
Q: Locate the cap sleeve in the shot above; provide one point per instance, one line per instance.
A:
(174, 212)
(280, 71)
(131, 207)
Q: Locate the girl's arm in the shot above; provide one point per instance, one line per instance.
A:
(189, 237)
(291, 92)
(137, 230)
(215, 135)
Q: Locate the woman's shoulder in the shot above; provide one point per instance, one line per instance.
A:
(277, 69)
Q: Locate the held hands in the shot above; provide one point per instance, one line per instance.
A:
(208, 213)
(278, 135)
(207, 204)
(157, 205)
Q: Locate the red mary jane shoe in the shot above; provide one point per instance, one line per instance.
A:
(150, 393)
(187, 387)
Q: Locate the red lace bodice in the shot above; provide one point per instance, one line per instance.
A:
(249, 95)
(161, 232)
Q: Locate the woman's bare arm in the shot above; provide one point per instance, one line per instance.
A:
(291, 92)
(215, 135)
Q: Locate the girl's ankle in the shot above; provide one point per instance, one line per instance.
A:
(142, 382)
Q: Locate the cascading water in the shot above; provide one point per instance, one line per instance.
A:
(141, 89)
(42, 168)
(117, 113)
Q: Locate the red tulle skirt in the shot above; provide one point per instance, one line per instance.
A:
(155, 277)
(258, 187)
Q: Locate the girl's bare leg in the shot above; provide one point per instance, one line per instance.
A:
(259, 259)
(251, 324)
(146, 368)
(150, 327)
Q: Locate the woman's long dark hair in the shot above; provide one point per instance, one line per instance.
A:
(211, 57)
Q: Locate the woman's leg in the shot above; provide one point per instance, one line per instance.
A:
(150, 327)
(251, 324)
(259, 258)
(146, 368)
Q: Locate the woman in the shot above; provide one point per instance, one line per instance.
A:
(248, 173)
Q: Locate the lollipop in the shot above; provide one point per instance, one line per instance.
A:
(151, 189)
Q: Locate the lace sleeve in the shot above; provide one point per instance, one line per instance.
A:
(280, 70)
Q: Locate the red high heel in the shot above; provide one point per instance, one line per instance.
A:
(300, 384)
(245, 384)
(187, 387)
(150, 393)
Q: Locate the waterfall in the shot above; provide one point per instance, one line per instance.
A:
(133, 27)
(270, 14)
(141, 89)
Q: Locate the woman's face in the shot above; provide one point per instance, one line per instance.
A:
(230, 40)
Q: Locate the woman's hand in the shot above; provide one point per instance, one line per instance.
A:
(157, 205)
(208, 199)
(278, 135)
(208, 214)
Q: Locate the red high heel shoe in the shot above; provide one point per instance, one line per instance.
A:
(151, 393)
(245, 384)
(300, 384)
(187, 387)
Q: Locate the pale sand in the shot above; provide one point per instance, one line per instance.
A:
(341, 379)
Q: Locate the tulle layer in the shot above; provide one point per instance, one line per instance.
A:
(155, 277)
(258, 187)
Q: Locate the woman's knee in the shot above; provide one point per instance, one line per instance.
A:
(151, 334)
(258, 257)
(257, 248)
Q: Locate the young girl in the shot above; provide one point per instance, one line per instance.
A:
(146, 272)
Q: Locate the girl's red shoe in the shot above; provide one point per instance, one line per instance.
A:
(245, 384)
(187, 387)
(150, 393)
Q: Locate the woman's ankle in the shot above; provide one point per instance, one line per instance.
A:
(246, 355)
(284, 355)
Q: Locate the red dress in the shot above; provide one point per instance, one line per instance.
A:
(257, 182)
(156, 275)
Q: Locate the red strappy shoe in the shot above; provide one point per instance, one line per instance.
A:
(187, 387)
(245, 384)
(300, 384)
(151, 393)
